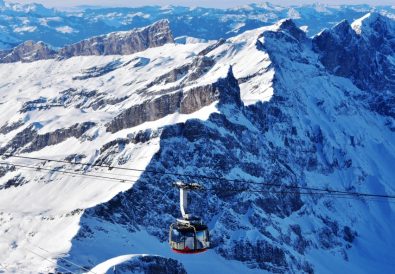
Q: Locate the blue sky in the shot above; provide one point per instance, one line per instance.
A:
(206, 3)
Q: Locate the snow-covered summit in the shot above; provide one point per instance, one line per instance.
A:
(372, 24)
(139, 263)
(363, 51)
(121, 43)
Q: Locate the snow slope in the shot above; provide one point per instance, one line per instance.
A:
(259, 106)
(45, 188)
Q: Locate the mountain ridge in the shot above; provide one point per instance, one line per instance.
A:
(115, 43)
(259, 107)
(346, 50)
(59, 28)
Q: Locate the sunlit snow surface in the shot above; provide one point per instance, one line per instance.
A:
(39, 220)
(144, 242)
(51, 204)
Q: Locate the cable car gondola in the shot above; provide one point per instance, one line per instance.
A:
(188, 235)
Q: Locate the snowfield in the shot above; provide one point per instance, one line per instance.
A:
(260, 106)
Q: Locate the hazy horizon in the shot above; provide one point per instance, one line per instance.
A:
(191, 3)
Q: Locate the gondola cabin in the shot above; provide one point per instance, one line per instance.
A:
(188, 235)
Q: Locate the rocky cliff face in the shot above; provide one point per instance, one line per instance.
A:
(122, 43)
(29, 140)
(283, 142)
(363, 52)
(279, 117)
(116, 43)
(184, 102)
(28, 51)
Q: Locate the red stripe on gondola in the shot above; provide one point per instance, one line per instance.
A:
(189, 251)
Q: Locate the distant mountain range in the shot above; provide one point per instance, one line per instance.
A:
(19, 22)
(115, 43)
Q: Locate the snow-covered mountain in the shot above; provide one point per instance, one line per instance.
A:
(19, 23)
(116, 43)
(270, 105)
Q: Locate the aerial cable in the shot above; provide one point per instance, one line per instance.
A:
(324, 192)
(69, 172)
(49, 260)
(203, 177)
(151, 171)
(61, 169)
(235, 192)
(4, 267)
(317, 190)
(63, 259)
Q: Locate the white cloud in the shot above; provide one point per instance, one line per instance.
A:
(65, 29)
(25, 29)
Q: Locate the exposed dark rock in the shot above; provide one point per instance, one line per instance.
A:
(383, 104)
(85, 232)
(335, 46)
(8, 128)
(99, 71)
(299, 243)
(289, 26)
(349, 234)
(147, 111)
(198, 97)
(149, 265)
(141, 61)
(37, 104)
(58, 136)
(200, 66)
(116, 142)
(190, 72)
(28, 51)
(112, 148)
(122, 43)
(30, 137)
(103, 101)
(74, 97)
(362, 57)
(14, 182)
(143, 136)
(5, 169)
(212, 47)
(78, 98)
(21, 139)
(266, 256)
(75, 158)
(214, 146)
(169, 77)
(185, 102)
